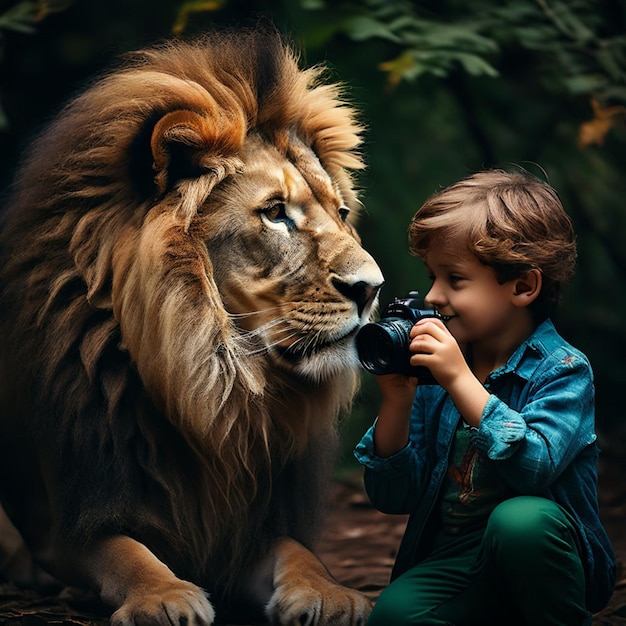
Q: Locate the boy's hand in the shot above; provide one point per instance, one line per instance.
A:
(433, 346)
(397, 390)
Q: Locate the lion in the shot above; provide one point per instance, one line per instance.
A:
(182, 283)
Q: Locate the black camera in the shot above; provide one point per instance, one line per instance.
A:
(383, 347)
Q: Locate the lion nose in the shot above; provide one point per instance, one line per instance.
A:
(361, 292)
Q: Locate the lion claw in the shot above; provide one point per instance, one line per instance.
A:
(187, 605)
(306, 606)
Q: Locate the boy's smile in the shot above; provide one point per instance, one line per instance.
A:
(476, 308)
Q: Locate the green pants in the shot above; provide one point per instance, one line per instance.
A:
(523, 569)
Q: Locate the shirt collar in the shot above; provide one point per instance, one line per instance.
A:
(530, 352)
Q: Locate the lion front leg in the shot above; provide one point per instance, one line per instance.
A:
(142, 589)
(305, 594)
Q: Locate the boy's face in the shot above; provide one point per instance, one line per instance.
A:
(476, 307)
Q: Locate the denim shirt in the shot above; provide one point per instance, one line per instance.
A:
(537, 425)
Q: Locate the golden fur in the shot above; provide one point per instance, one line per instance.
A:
(181, 285)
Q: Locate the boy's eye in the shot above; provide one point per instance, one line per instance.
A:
(454, 280)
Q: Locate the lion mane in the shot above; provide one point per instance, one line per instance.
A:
(177, 332)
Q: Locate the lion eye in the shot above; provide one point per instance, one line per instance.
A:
(276, 215)
(344, 211)
(277, 212)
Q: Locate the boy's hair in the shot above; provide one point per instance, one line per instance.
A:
(511, 221)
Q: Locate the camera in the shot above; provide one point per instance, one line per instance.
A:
(383, 346)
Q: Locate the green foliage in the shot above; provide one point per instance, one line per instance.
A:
(19, 18)
(582, 47)
(427, 46)
(582, 52)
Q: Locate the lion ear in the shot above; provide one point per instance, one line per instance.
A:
(187, 145)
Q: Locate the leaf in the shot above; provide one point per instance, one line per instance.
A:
(47, 7)
(475, 65)
(192, 6)
(456, 37)
(583, 83)
(594, 131)
(19, 18)
(363, 27)
(398, 68)
(413, 63)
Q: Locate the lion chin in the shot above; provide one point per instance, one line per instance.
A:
(323, 362)
(181, 287)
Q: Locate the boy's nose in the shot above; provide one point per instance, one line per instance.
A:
(434, 297)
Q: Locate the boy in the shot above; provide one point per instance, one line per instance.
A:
(497, 463)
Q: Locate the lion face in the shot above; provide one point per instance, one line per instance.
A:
(204, 233)
(287, 262)
(266, 276)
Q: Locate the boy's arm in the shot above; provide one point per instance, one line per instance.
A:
(469, 397)
(391, 432)
(536, 443)
(393, 482)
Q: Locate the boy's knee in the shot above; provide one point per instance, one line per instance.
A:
(389, 610)
(525, 525)
(396, 609)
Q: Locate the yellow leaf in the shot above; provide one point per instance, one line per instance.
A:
(397, 67)
(595, 130)
(46, 7)
(193, 6)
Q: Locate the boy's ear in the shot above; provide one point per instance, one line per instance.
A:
(527, 288)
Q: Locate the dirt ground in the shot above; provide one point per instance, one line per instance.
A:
(358, 547)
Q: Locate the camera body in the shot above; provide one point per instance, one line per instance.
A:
(383, 346)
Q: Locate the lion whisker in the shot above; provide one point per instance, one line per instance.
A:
(267, 348)
(253, 313)
(280, 334)
(306, 342)
(252, 334)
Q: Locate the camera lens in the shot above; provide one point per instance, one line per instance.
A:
(375, 349)
(383, 347)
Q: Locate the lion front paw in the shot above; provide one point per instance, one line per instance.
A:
(316, 602)
(181, 604)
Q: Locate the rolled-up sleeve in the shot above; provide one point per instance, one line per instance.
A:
(391, 482)
(394, 466)
(554, 423)
(500, 430)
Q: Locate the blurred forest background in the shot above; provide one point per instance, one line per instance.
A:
(445, 87)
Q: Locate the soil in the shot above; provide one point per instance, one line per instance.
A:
(358, 547)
